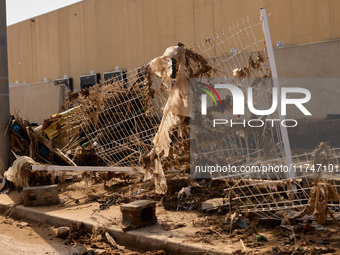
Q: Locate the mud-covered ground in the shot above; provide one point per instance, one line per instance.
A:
(174, 212)
(179, 218)
(22, 237)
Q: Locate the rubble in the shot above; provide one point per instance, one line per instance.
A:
(20, 172)
(113, 242)
(144, 127)
(79, 234)
(321, 193)
(172, 225)
(185, 191)
(26, 141)
(174, 127)
(98, 126)
(198, 194)
(79, 249)
(63, 232)
(99, 240)
(22, 224)
(212, 204)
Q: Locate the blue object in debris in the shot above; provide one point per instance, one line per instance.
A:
(43, 150)
(275, 251)
(20, 132)
(241, 223)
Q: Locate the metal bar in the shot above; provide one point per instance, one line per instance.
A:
(5, 147)
(85, 168)
(277, 85)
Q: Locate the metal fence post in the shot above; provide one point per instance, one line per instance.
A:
(272, 63)
(4, 91)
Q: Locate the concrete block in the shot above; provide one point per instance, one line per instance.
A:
(41, 195)
(138, 214)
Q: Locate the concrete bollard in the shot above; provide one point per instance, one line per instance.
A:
(138, 214)
(41, 195)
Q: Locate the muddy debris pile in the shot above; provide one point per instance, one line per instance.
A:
(141, 122)
(27, 140)
(144, 124)
(77, 136)
(98, 241)
(267, 236)
(171, 144)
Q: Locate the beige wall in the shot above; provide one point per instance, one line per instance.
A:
(36, 102)
(315, 60)
(99, 35)
(309, 62)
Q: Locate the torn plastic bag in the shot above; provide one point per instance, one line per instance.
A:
(18, 172)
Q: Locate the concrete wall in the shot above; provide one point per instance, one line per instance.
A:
(297, 66)
(309, 134)
(314, 67)
(36, 102)
(325, 94)
(314, 60)
(99, 35)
